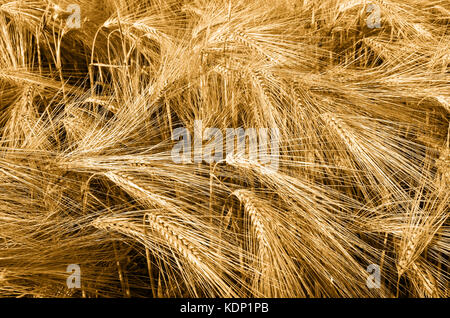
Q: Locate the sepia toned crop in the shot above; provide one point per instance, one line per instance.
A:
(347, 196)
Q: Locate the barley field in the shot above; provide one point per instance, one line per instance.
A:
(98, 97)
